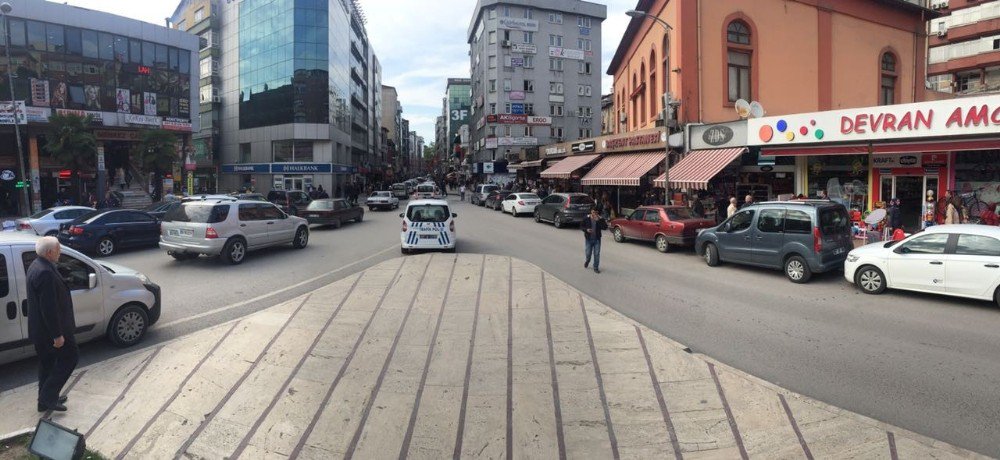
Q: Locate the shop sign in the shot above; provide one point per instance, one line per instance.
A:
(95, 117)
(529, 25)
(247, 168)
(555, 150)
(297, 168)
(149, 103)
(115, 135)
(488, 168)
(566, 53)
(176, 124)
(37, 114)
(517, 141)
(524, 48)
(9, 112)
(515, 62)
(585, 31)
(634, 141)
(508, 118)
(537, 121)
(491, 143)
(517, 108)
(896, 161)
(148, 120)
(947, 118)
(516, 95)
(39, 92)
(7, 175)
(720, 135)
(343, 169)
(581, 147)
(934, 160)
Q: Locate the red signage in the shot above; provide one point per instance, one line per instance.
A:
(934, 160)
(142, 70)
(641, 139)
(508, 118)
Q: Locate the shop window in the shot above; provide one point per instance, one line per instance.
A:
(843, 177)
(739, 60)
(91, 47)
(887, 83)
(55, 38)
(36, 36)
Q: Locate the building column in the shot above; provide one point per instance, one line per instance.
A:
(34, 173)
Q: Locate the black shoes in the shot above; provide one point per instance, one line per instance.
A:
(586, 264)
(59, 407)
(597, 270)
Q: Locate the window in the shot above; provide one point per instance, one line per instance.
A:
(556, 110)
(148, 53)
(493, 108)
(492, 131)
(529, 131)
(36, 36)
(529, 37)
(555, 18)
(507, 130)
(887, 83)
(271, 212)
(738, 32)
(506, 35)
(555, 40)
(249, 212)
(584, 90)
(798, 222)
(557, 132)
(17, 33)
(529, 62)
(556, 64)
(527, 13)
(245, 153)
(585, 68)
(585, 133)
(583, 21)
(926, 244)
(771, 220)
(967, 81)
(529, 86)
(162, 61)
(583, 44)
(506, 11)
(106, 46)
(975, 245)
(493, 62)
(739, 76)
(181, 25)
(651, 89)
(121, 49)
(75, 272)
(493, 37)
(638, 214)
(135, 51)
(492, 86)
(741, 221)
(493, 13)
(555, 88)
(428, 213)
(55, 38)
(506, 107)
(529, 108)
(506, 84)
(199, 14)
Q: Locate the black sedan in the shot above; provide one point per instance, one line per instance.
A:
(105, 231)
(494, 199)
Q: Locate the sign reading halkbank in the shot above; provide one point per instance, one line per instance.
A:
(287, 168)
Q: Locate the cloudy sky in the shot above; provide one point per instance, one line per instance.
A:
(420, 44)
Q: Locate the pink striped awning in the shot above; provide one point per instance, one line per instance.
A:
(564, 169)
(623, 169)
(698, 167)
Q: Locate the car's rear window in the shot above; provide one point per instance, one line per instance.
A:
(428, 213)
(580, 199)
(678, 213)
(425, 188)
(528, 196)
(88, 217)
(320, 205)
(198, 213)
(833, 221)
(490, 188)
(381, 194)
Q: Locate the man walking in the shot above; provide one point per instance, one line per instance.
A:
(51, 325)
(592, 226)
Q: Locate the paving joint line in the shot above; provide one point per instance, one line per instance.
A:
(674, 442)
(600, 382)
(76, 378)
(510, 359)
(459, 437)
(795, 427)
(893, 455)
(121, 395)
(729, 413)
(560, 439)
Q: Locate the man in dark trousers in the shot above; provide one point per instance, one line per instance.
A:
(51, 325)
(592, 226)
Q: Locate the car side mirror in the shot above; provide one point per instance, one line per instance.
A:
(725, 227)
(454, 214)
(91, 281)
(400, 214)
(902, 250)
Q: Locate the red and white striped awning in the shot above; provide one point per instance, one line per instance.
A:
(564, 169)
(623, 169)
(698, 167)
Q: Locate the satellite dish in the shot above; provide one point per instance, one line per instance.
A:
(756, 110)
(743, 108)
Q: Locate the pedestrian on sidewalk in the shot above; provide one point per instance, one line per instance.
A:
(592, 226)
(731, 210)
(51, 325)
(461, 193)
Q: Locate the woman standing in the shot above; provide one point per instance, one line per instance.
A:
(951, 213)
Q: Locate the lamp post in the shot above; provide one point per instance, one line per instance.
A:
(5, 9)
(666, 103)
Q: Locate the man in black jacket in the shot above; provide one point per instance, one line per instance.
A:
(51, 325)
(592, 226)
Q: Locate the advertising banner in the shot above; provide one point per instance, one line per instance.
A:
(536, 121)
(517, 108)
(123, 98)
(565, 53)
(517, 141)
(176, 124)
(516, 95)
(149, 103)
(491, 143)
(12, 112)
(516, 62)
(37, 114)
(142, 119)
(39, 92)
(523, 48)
(529, 25)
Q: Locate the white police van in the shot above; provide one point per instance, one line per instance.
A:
(427, 224)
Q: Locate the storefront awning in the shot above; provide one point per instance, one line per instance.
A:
(564, 169)
(531, 164)
(514, 167)
(698, 167)
(623, 169)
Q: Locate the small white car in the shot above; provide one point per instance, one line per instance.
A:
(520, 203)
(427, 224)
(46, 222)
(381, 200)
(955, 260)
(109, 300)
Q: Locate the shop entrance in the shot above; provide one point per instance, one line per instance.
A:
(912, 194)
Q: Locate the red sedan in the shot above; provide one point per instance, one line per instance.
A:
(665, 225)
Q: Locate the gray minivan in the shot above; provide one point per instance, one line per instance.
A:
(799, 237)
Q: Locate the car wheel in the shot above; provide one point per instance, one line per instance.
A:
(711, 255)
(870, 280)
(234, 251)
(52, 233)
(105, 247)
(337, 223)
(513, 212)
(183, 255)
(662, 244)
(301, 238)
(797, 269)
(538, 217)
(557, 221)
(128, 325)
(360, 217)
(618, 234)
(371, 209)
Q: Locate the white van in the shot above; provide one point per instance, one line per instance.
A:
(108, 299)
(427, 224)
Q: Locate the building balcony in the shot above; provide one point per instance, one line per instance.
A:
(985, 58)
(359, 98)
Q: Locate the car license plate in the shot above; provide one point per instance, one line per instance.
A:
(839, 251)
(428, 237)
(180, 232)
(313, 215)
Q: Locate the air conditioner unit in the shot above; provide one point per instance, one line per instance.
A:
(505, 43)
(216, 99)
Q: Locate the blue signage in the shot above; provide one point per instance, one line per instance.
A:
(343, 169)
(288, 168)
(517, 108)
(247, 168)
(585, 31)
(301, 168)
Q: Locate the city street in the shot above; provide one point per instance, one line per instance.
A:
(927, 364)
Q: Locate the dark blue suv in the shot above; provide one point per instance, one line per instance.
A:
(105, 231)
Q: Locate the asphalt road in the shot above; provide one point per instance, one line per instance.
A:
(928, 364)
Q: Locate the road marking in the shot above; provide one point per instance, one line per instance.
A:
(729, 413)
(272, 294)
(600, 382)
(659, 396)
(560, 439)
(468, 366)
(795, 426)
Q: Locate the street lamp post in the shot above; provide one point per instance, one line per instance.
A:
(5, 9)
(666, 104)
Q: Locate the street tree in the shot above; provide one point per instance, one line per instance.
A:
(157, 152)
(70, 143)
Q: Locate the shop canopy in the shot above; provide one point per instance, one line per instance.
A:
(623, 169)
(564, 169)
(698, 167)
(531, 164)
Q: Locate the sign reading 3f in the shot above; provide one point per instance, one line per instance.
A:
(459, 115)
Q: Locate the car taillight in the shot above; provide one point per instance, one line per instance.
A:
(566, 205)
(211, 234)
(451, 227)
(74, 230)
(404, 226)
(520, 202)
(24, 226)
(817, 240)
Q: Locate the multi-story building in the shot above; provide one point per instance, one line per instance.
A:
(964, 55)
(457, 108)
(406, 146)
(391, 112)
(376, 161)
(296, 94)
(200, 17)
(442, 147)
(535, 67)
(129, 76)
(607, 114)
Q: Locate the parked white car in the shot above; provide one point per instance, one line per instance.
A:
(955, 260)
(47, 221)
(520, 203)
(427, 224)
(381, 200)
(108, 299)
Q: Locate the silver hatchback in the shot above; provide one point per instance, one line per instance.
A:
(229, 228)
